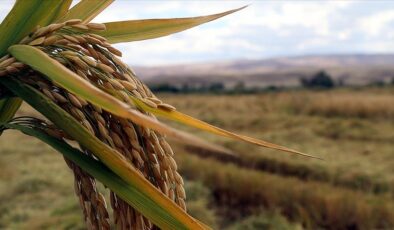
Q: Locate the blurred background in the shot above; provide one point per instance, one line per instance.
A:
(316, 76)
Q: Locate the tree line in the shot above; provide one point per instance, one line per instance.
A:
(320, 80)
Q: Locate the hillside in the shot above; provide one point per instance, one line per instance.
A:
(351, 69)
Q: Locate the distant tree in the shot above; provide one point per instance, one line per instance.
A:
(216, 87)
(186, 88)
(319, 80)
(377, 83)
(167, 88)
(239, 87)
(272, 88)
(341, 82)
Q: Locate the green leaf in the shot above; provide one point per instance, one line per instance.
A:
(63, 9)
(129, 192)
(5, 94)
(191, 121)
(110, 157)
(86, 10)
(70, 81)
(20, 21)
(25, 16)
(8, 107)
(135, 30)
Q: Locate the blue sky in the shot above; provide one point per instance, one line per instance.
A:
(264, 29)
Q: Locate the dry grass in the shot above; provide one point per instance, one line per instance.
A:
(358, 149)
(343, 104)
(35, 186)
(241, 192)
(354, 134)
(305, 172)
(358, 152)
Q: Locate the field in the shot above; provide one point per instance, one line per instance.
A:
(352, 129)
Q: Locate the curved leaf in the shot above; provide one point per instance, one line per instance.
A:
(135, 30)
(8, 108)
(63, 9)
(86, 10)
(129, 192)
(191, 121)
(25, 16)
(110, 157)
(70, 81)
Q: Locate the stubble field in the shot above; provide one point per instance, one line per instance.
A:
(352, 129)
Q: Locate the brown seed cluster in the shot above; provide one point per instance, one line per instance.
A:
(91, 57)
(91, 201)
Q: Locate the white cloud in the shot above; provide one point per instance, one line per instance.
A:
(375, 24)
(5, 7)
(264, 29)
(313, 42)
(344, 35)
(225, 34)
(281, 15)
(379, 47)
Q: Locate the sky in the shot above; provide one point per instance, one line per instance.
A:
(264, 29)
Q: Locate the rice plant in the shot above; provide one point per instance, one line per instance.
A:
(100, 116)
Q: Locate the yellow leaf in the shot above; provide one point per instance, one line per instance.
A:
(8, 108)
(86, 10)
(135, 30)
(63, 9)
(174, 216)
(191, 121)
(70, 81)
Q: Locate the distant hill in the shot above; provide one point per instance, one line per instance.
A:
(354, 69)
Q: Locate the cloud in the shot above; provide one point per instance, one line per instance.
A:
(264, 29)
(377, 23)
(5, 7)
